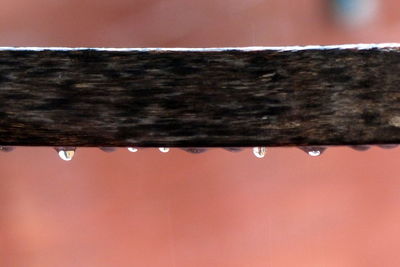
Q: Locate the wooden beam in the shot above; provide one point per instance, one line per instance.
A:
(228, 97)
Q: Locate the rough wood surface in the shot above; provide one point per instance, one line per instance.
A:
(196, 98)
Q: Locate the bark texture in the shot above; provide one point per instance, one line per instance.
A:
(226, 98)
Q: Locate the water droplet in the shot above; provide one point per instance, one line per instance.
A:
(6, 148)
(164, 149)
(360, 147)
(233, 149)
(388, 146)
(259, 151)
(313, 151)
(195, 150)
(66, 153)
(132, 149)
(108, 149)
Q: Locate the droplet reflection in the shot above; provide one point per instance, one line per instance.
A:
(66, 153)
(313, 151)
(164, 149)
(132, 149)
(259, 151)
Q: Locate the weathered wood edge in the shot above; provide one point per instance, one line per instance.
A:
(213, 97)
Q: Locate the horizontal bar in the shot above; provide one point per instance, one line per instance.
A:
(227, 97)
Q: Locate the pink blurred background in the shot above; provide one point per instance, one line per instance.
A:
(214, 209)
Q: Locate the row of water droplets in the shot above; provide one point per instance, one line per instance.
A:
(67, 153)
(260, 151)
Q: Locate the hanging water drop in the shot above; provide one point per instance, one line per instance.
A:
(313, 151)
(360, 147)
(108, 149)
(132, 149)
(65, 153)
(6, 148)
(259, 151)
(195, 150)
(164, 149)
(388, 146)
(233, 149)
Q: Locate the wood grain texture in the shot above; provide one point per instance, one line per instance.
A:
(200, 98)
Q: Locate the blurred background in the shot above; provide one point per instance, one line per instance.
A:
(213, 209)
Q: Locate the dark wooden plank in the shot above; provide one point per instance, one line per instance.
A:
(200, 98)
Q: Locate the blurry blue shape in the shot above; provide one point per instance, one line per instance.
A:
(354, 12)
(348, 6)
